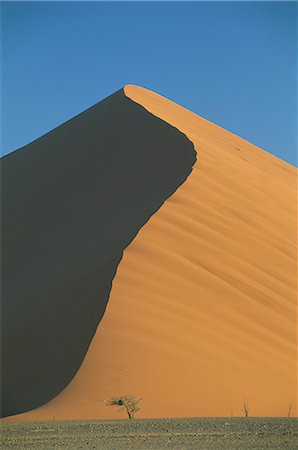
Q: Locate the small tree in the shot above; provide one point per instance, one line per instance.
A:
(130, 403)
(289, 409)
(245, 408)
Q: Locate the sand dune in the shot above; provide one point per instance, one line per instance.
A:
(71, 202)
(202, 312)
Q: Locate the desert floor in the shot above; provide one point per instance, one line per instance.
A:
(192, 433)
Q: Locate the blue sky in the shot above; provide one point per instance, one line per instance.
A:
(234, 63)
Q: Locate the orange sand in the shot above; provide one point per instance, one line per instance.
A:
(202, 311)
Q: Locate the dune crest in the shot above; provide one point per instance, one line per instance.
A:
(202, 312)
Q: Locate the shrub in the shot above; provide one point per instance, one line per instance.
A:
(129, 402)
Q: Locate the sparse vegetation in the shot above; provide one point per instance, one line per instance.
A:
(245, 408)
(129, 402)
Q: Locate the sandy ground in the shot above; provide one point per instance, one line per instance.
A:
(217, 433)
(202, 312)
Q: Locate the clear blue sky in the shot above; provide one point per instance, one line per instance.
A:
(234, 63)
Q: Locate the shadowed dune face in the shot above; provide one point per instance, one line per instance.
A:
(71, 202)
(202, 312)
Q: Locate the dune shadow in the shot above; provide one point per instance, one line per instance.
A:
(72, 201)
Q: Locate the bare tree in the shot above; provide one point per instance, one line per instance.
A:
(245, 408)
(129, 402)
(289, 409)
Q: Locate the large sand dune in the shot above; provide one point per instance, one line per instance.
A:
(202, 312)
(72, 201)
